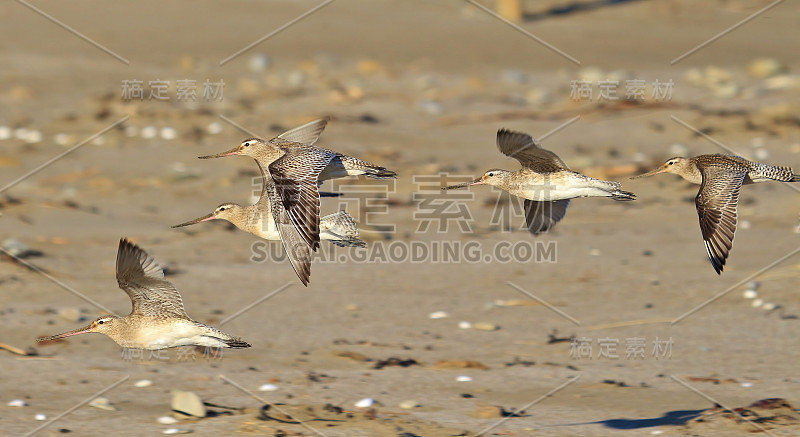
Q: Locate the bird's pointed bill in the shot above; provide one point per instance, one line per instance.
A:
(234, 151)
(478, 181)
(204, 218)
(84, 330)
(650, 173)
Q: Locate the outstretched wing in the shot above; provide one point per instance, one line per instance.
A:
(140, 276)
(306, 134)
(295, 176)
(542, 216)
(716, 204)
(528, 152)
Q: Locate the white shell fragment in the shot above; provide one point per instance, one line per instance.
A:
(40, 416)
(463, 378)
(269, 387)
(167, 420)
(103, 404)
(365, 403)
(750, 294)
(172, 431)
(143, 383)
(168, 133)
(438, 315)
(464, 324)
(17, 403)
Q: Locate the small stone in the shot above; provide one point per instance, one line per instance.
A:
(365, 403)
(33, 137)
(753, 285)
(131, 131)
(352, 307)
(103, 404)
(143, 383)
(258, 62)
(149, 132)
(5, 132)
(20, 133)
(765, 67)
(485, 326)
(769, 306)
(176, 431)
(757, 303)
(214, 128)
(168, 133)
(438, 315)
(761, 154)
(99, 141)
(40, 416)
(594, 252)
(750, 294)
(408, 405)
(188, 403)
(17, 403)
(744, 224)
(63, 139)
(746, 384)
(269, 387)
(464, 325)
(167, 420)
(463, 378)
(486, 411)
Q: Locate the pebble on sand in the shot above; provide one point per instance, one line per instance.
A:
(757, 303)
(485, 326)
(750, 294)
(17, 403)
(40, 416)
(5, 132)
(464, 324)
(188, 403)
(176, 431)
(365, 403)
(438, 315)
(167, 420)
(463, 378)
(769, 306)
(409, 404)
(269, 387)
(143, 383)
(102, 404)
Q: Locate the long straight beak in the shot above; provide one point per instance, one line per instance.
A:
(204, 218)
(234, 151)
(650, 173)
(478, 181)
(84, 330)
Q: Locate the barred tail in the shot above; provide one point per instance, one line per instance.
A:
(340, 229)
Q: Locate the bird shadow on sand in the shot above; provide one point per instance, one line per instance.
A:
(678, 417)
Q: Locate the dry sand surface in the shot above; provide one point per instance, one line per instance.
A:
(420, 87)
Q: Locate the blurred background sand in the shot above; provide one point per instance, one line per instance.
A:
(419, 87)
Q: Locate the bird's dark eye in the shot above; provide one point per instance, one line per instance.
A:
(247, 144)
(100, 322)
(222, 209)
(670, 163)
(491, 174)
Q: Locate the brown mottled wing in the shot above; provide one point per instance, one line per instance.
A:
(306, 134)
(528, 152)
(716, 204)
(542, 216)
(140, 276)
(297, 250)
(296, 178)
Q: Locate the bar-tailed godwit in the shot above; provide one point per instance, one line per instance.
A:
(544, 181)
(720, 178)
(158, 319)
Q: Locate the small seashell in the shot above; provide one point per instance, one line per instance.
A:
(408, 405)
(33, 137)
(40, 416)
(103, 404)
(750, 294)
(20, 133)
(149, 132)
(167, 420)
(746, 384)
(365, 403)
(485, 326)
(769, 306)
(176, 431)
(99, 141)
(269, 387)
(463, 378)
(168, 133)
(62, 139)
(744, 224)
(143, 383)
(5, 132)
(464, 324)
(258, 62)
(214, 128)
(656, 432)
(17, 403)
(438, 315)
(757, 303)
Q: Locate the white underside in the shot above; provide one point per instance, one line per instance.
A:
(179, 333)
(551, 193)
(270, 232)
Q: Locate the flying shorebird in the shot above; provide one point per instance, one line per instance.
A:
(293, 168)
(157, 319)
(339, 228)
(720, 178)
(544, 181)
